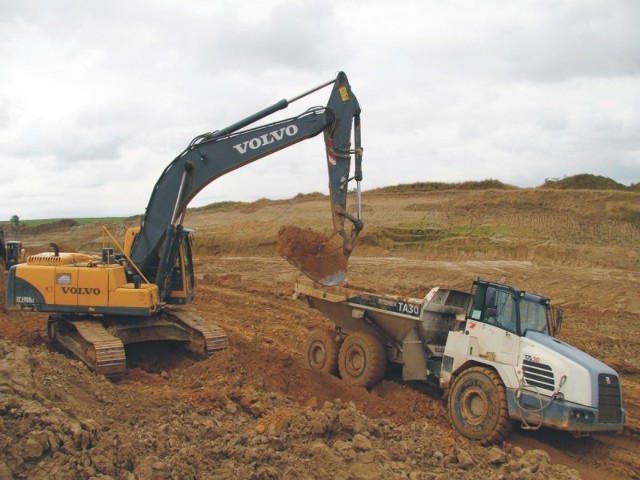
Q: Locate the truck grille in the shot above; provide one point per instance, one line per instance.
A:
(538, 375)
(609, 399)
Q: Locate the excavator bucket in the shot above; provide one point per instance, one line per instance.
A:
(321, 258)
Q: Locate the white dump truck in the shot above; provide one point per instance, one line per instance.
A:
(493, 352)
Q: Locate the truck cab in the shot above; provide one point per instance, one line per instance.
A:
(513, 310)
(507, 353)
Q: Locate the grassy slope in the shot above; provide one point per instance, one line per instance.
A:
(462, 222)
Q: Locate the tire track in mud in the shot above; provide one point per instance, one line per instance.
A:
(277, 328)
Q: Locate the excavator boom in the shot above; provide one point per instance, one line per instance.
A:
(214, 154)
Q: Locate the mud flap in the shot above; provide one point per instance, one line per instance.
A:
(414, 365)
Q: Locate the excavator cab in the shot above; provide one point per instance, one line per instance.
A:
(180, 274)
(15, 253)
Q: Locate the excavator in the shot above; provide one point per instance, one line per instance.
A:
(136, 291)
(11, 252)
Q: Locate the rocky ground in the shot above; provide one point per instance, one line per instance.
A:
(254, 411)
(58, 421)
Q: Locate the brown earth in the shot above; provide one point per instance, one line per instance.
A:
(254, 411)
(317, 256)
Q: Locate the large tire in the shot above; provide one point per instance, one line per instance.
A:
(321, 351)
(478, 406)
(362, 360)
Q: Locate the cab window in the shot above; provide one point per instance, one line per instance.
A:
(533, 316)
(500, 309)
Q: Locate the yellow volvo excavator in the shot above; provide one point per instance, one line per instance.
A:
(133, 292)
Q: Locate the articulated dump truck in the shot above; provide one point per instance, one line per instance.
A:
(492, 351)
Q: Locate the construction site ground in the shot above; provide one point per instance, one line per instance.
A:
(255, 411)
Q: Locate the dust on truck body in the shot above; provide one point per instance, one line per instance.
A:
(492, 351)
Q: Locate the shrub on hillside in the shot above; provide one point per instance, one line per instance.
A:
(583, 181)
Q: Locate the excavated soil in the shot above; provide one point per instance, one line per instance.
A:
(318, 256)
(254, 411)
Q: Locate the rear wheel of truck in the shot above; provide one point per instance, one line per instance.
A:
(321, 351)
(362, 360)
(478, 406)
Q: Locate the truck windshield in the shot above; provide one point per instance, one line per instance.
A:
(13, 250)
(533, 316)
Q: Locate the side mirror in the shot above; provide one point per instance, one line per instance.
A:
(557, 321)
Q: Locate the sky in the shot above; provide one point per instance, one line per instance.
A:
(97, 98)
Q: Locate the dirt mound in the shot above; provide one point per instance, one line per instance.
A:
(59, 421)
(584, 181)
(52, 226)
(253, 411)
(319, 257)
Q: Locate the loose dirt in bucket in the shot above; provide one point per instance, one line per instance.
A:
(317, 256)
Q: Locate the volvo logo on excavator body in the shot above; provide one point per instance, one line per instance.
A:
(270, 137)
(81, 290)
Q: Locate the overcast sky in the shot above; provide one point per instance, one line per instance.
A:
(96, 98)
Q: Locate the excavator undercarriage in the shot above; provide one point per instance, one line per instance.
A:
(99, 340)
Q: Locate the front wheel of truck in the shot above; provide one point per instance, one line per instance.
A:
(478, 406)
(362, 360)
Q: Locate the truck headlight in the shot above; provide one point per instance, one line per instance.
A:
(582, 416)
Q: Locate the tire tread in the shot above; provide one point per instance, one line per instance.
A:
(376, 359)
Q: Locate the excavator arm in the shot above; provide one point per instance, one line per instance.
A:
(214, 154)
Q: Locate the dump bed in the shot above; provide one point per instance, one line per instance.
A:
(400, 323)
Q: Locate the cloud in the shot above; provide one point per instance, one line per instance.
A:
(577, 39)
(98, 98)
(293, 35)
